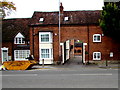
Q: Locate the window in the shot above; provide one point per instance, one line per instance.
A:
(66, 18)
(96, 55)
(111, 54)
(45, 37)
(21, 54)
(96, 38)
(19, 39)
(41, 19)
(46, 53)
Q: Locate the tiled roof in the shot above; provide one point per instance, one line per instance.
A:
(11, 27)
(75, 17)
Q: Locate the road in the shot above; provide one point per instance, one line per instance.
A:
(70, 75)
(61, 78)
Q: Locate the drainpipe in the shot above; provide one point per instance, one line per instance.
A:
(59, 32)
(12, 50)
(88, 42)
(33, 40)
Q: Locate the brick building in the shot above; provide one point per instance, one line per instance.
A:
(54, 41)
(15, 39)
(74, 25)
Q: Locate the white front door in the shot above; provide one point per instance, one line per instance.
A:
(4, 52)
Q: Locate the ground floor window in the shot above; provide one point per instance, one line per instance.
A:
(96, 55)
(46, 53)
(21, 54)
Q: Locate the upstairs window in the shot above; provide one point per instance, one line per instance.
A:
(111, 54)
(96, 38)
(19, 39)
(41, 19)
(45, 37)
(96, 55)
(66, 18)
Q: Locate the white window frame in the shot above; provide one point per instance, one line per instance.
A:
(41, 19)
(50, 37)
(19, 39)
(50, 53)
(66, 18)
(111, 54)
(2, 49)
(97, 53)
(20, 53)
(97, 35)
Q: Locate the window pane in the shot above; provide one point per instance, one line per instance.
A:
(95, 38)
(20, 40)
(45, 38)
(98, 38)
(98, 55)
(95, 55)
(16, 40)
(22, 54)
(45, 53)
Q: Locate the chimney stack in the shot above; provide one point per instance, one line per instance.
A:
(61, 8)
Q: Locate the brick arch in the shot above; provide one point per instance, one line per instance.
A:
(65, 39)
(74, 32)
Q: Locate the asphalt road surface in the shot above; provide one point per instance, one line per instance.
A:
(61, 78)
(70, 75)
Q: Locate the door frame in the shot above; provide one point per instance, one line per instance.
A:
(4, 48)
(83, 56)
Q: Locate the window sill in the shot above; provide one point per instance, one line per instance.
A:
(97, 41)
(46, 42)
(96, 59)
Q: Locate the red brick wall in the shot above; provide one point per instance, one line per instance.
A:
(76, 32)
(106, 45)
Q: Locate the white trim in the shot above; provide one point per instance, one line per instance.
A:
(41, 19)
(19, 39)
(66, 18)
(111, 54)
(4, 48)
(97, 35)
(50, 53)
(50, 37)
(63, 60)
(84, 44)
(97, 56)
(46, 60)
(19, 35)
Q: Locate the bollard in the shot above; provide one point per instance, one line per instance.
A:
(43, 63)
(106, 62)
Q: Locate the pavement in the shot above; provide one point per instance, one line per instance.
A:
(75, 66)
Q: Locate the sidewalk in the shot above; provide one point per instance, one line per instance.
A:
(110, 66)
(79, 66)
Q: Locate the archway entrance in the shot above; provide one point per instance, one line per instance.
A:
(73, 50)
